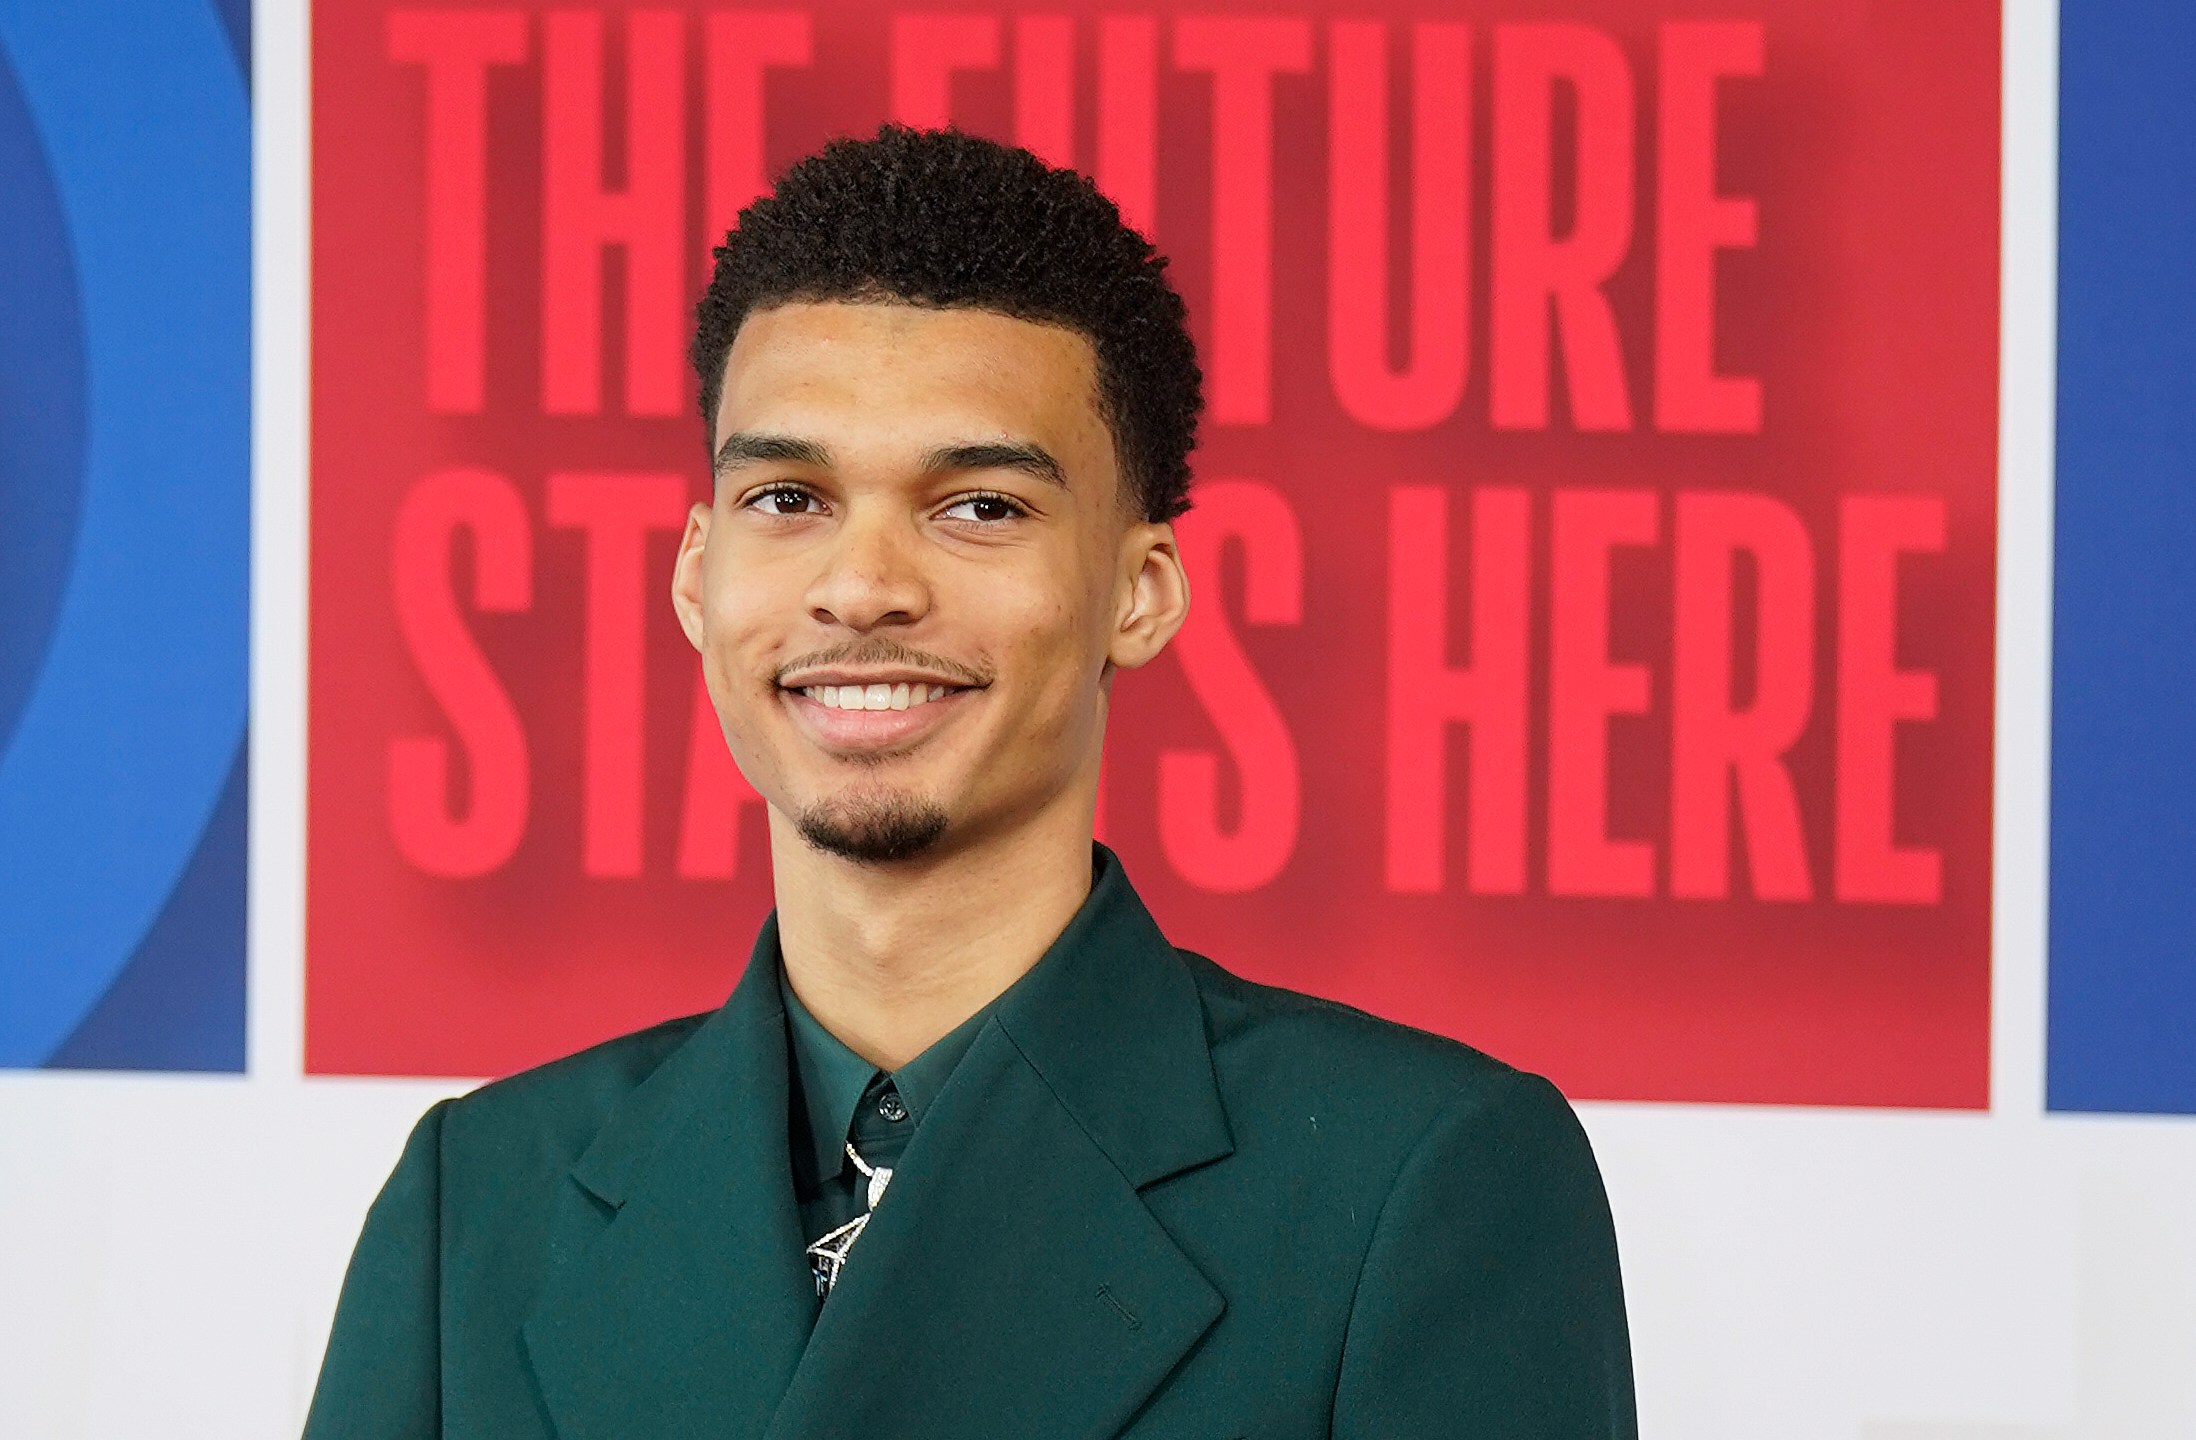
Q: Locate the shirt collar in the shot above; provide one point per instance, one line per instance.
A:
(828, 1083)
(921, 1078)
(831, 1080)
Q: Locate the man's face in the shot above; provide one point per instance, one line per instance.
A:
(917, 573)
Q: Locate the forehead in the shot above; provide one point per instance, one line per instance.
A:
(925, 372)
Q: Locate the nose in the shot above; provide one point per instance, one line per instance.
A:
(871, 577)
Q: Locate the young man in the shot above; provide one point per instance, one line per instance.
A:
(971, 1151)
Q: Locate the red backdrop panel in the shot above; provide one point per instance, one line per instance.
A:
(1595, 552)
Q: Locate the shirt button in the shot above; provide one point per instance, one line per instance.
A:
(892, 1107)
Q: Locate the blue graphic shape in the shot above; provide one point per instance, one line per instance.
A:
(179, 1003)
(2123, 791)
(41, 405)
(128, 738)
(236, 23)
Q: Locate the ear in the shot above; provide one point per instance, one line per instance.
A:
(686, 573)
(1152, 595)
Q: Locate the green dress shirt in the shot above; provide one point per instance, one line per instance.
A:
(838, 1098)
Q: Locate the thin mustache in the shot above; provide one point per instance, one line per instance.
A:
(882, 652)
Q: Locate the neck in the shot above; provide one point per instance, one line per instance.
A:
(890, 958)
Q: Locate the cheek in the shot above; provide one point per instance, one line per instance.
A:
(1049, 637)
(1022, 611)
(741, 615)
(742, 646)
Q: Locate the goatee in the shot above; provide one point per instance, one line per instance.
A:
(873, 830)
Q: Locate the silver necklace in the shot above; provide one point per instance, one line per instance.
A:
(879, 1175)
(828, 1255)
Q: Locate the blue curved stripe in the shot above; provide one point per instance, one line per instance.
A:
(179, 1003)
(41, 404)
(121, 752)
(236, 23)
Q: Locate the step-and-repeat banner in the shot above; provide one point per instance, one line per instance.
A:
(1596, 547)
(1595, 530)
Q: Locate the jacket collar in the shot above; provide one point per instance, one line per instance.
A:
(677, 1297)
(1112, 1020)
(680, 1302)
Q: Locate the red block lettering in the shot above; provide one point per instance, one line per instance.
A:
(1044, 87)
(742, 45)
(716, 793)
(456, 48)
(1874, 695)
(1428, 387)
(1427, 694)
(926, 50)
(1532, 267)
(615, 513)
(431, 832)
(1128, 117)
(1714, 741)
(1243, 55)
(1203, 851)
(1693, 222)
(1585, 690)
(646, 220)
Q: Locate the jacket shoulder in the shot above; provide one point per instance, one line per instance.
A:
(547, 1116)
(1276, 1049)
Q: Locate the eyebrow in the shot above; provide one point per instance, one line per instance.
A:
(1029, 458)
(744, 448)
(747, 448)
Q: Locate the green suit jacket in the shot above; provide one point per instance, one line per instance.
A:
(1154, 1200)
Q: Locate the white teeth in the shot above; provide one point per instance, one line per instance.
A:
(873, 697)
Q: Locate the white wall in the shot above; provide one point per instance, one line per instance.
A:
(170, 1247)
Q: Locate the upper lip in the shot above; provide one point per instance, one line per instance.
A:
(867, 675)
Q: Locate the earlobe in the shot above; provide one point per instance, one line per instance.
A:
(686, 574)
(1156, 599)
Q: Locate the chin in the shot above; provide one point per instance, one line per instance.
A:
(874, 826)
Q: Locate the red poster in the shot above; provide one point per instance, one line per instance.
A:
(1594, 542)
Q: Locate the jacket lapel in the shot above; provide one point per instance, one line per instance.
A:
(1013, 1281)
(678, 1299)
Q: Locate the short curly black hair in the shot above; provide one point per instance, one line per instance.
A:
(936, 217)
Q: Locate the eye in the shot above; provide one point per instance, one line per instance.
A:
(785, 500)
(986, 508)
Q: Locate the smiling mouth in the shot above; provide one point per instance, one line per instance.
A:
(880, 696)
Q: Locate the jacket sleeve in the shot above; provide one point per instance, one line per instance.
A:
(1489, 1306)
(381, 1377)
